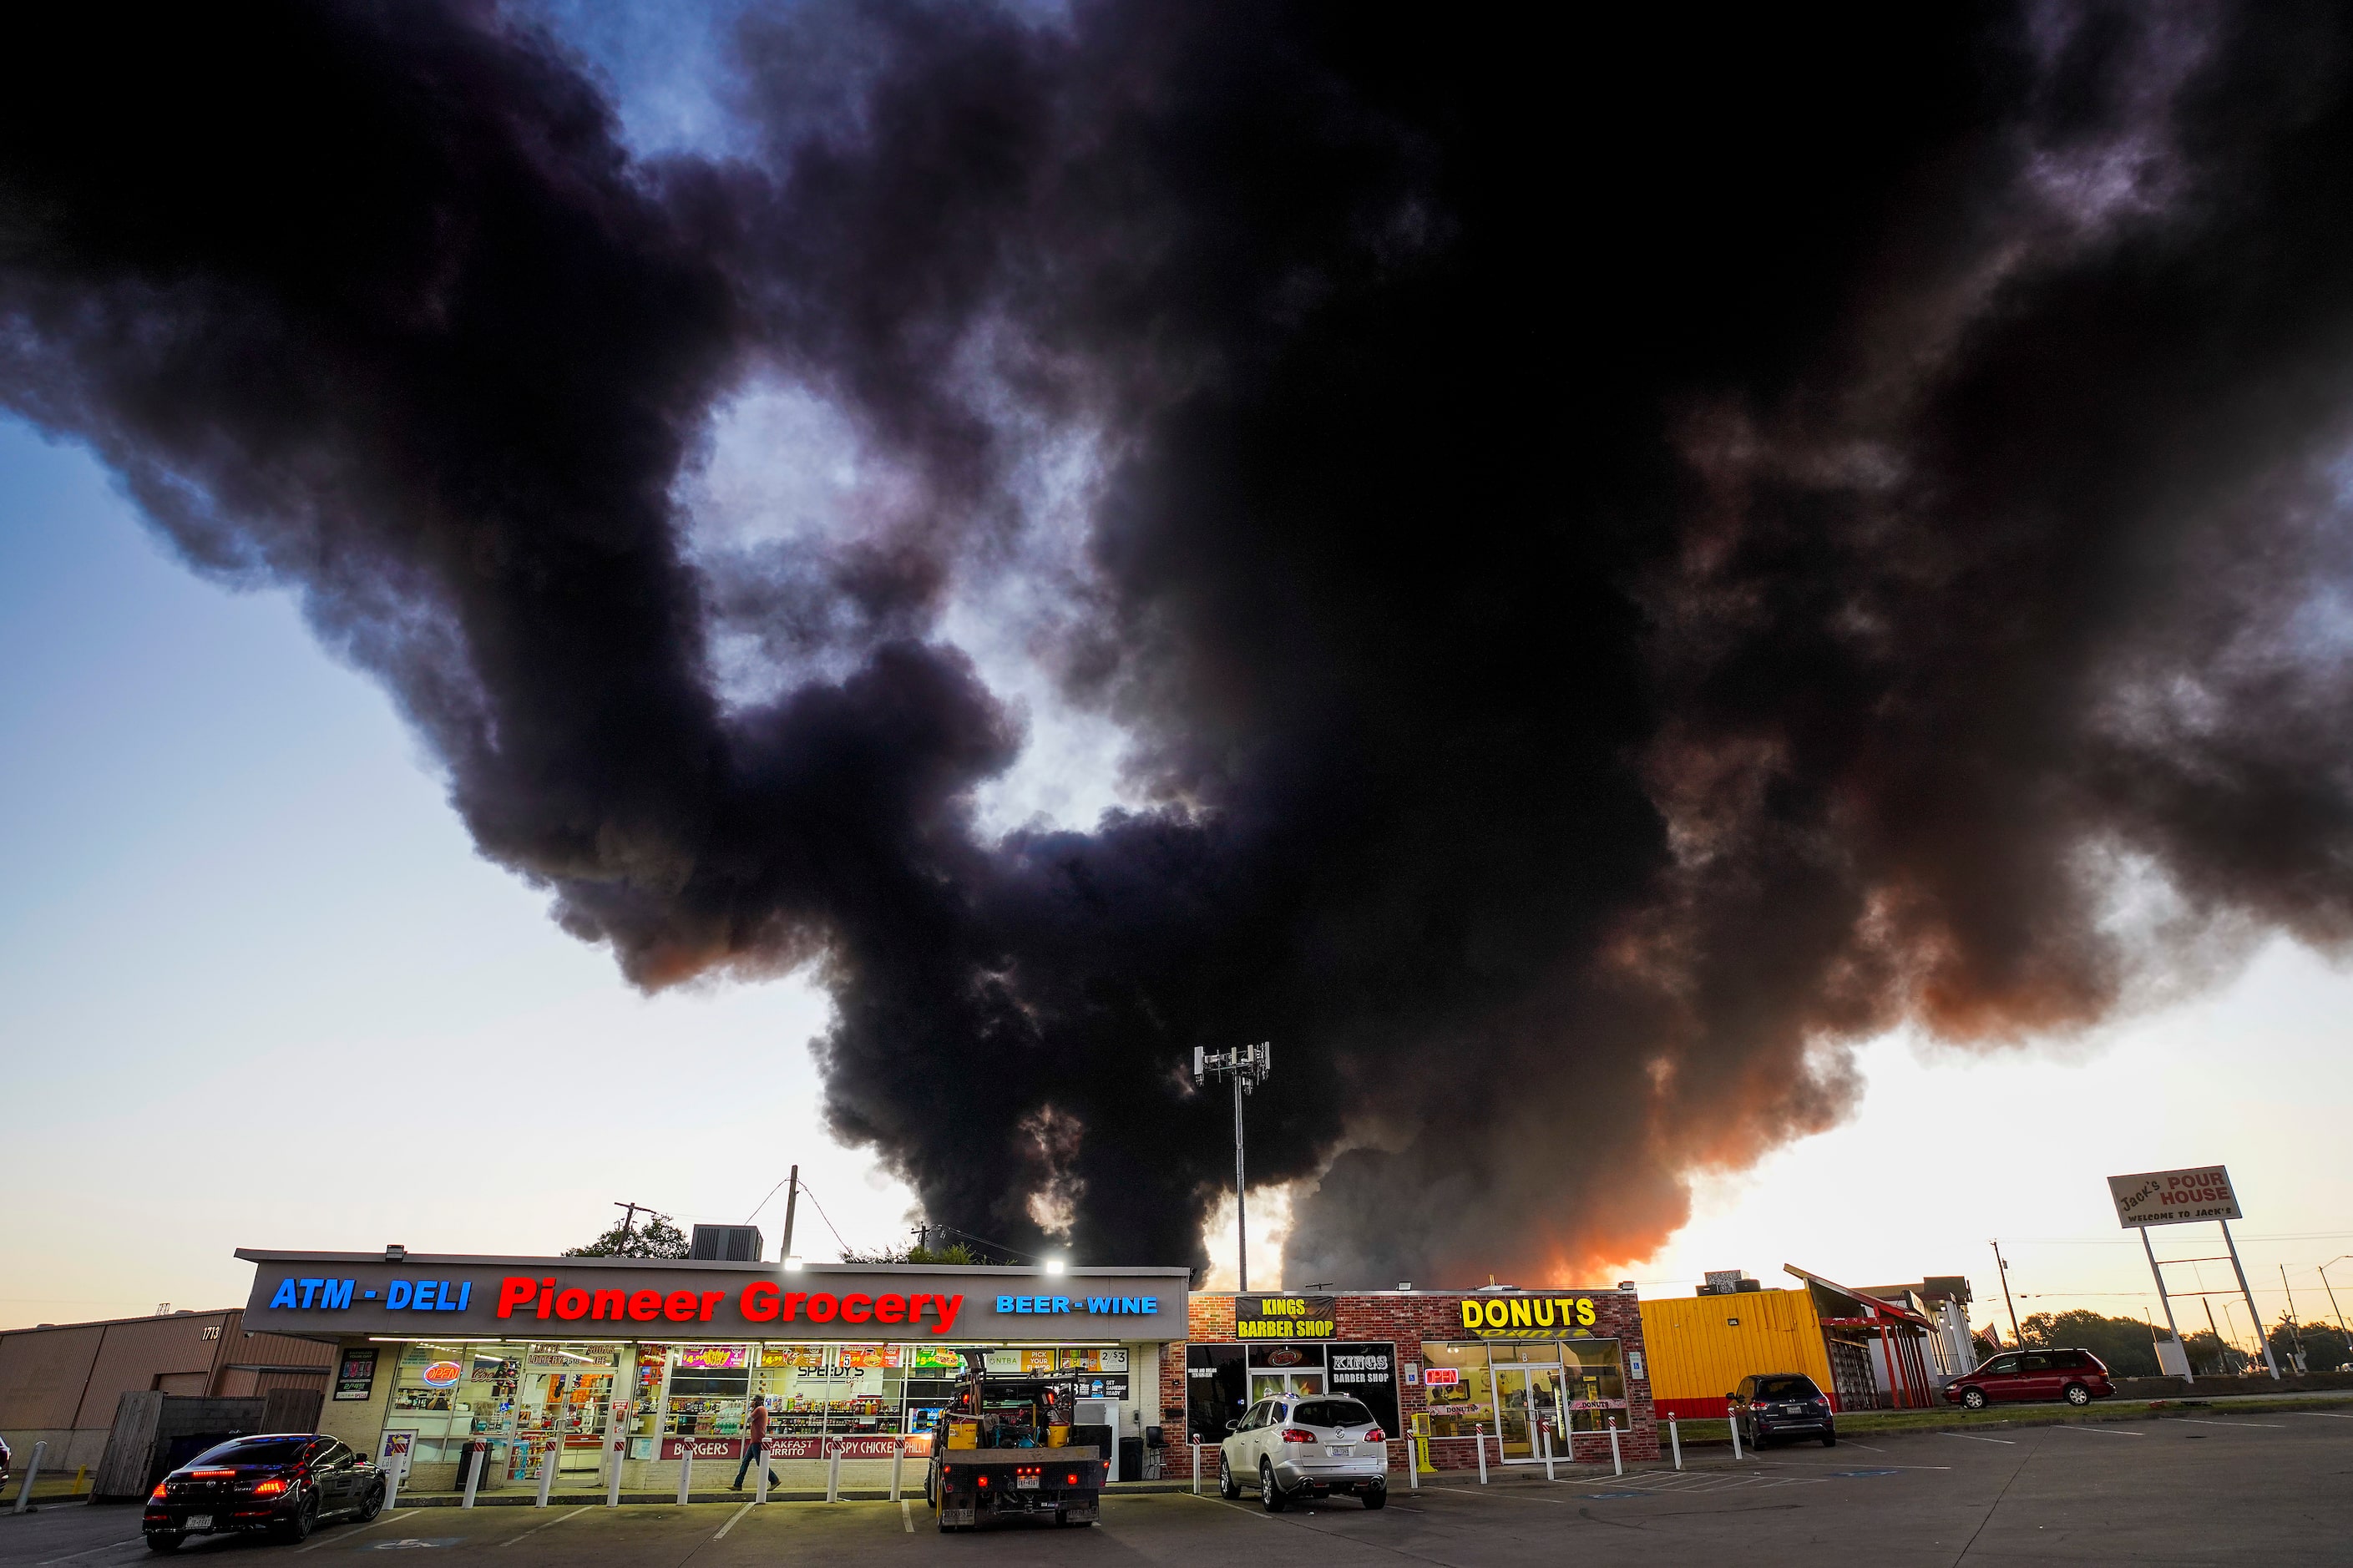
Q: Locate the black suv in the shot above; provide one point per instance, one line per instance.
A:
(1776, 1405)
(285, 1483)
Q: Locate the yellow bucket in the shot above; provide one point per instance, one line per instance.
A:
(1057, 1436)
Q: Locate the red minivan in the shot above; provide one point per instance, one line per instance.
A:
(2076, 1376)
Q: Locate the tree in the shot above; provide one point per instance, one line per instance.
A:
(958, 1254)
(2125, 1344)
(656, 1235)
(2210, 1357)
(2323, 1345)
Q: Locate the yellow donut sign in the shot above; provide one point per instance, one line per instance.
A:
(1527, 1317)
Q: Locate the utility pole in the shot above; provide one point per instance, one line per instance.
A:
(1248, 1067)
(2017, 1340)
(629, 1219)
(792, 1197)
(2222, 1346)
(2294, 1325)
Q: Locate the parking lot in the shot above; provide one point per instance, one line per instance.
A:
(2226, 1487)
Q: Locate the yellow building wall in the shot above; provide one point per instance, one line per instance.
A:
(1697, 1355)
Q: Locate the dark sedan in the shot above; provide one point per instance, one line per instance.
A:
(1782, 1404)
(285, 1483)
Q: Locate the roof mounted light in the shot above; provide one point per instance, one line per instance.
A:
(792, 1265)
(394, 1253)
(1056, 1266)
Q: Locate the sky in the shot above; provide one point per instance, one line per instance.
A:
(258, 990)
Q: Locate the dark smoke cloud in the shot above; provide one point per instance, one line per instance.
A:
(1634, 554)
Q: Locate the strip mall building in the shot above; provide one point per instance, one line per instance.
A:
(586, 1361)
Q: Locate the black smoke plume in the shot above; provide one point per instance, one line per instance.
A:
(1633, 551)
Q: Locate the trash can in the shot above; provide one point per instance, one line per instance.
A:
(475, 1454)
(1131, 1458)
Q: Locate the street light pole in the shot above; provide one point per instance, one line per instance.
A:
(1248, 1066)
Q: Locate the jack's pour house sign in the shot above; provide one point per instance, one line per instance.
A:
(1285, 1317)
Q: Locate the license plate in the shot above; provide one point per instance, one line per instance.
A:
(1793, 1410)
(1343, 1451)
(200, 1521)
(1025, 1483)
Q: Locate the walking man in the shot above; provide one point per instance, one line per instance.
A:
(757, 1430)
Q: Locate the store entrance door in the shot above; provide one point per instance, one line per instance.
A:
(1529, 1401)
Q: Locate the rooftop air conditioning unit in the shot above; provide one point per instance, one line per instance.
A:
(727, 1242)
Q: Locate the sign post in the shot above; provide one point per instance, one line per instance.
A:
(2182, 1197)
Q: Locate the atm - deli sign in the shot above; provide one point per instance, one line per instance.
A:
(2173, 1197)
(1286, 1317)
(1526, 1317)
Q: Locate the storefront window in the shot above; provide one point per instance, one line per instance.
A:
(1462, 1395)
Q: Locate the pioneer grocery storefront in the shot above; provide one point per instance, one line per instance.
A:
(1515, 1370)
(525, 1360)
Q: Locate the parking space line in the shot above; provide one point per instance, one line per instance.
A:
(1973, 1438)
(907, 1514)
(2193, 1421)
(2100, 1431)
(733, 1516)
(383, 1518)
(109, 1546)
(2318, 1414)
(550, 1524)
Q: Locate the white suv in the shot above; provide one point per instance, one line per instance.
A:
(1305, 1444)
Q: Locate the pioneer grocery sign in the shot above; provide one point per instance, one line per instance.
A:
(358, 1294)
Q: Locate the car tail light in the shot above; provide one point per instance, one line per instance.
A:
(269, 1488)
(1759, 1404)
(1297, 1434)
(1071, 1480)
(984, 1480)
(157, 1495)
(1374, 1434)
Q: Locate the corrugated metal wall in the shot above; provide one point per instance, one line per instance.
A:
(1698, 1353)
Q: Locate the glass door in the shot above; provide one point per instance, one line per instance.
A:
(1513, 1412)
(1270, 1384)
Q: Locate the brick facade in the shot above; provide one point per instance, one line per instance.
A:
(1406, 1319)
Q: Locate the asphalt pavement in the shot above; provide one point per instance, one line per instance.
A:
(2269, 1488)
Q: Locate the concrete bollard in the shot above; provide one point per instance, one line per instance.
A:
(833, 1475)
(1479, 1446)
(1197, 1469)
(760, 1483)
(478, 1454)
(548, 1464)
(393, 1465)
(898, 1461)
(32, 1474)
(1616, 1464)
(1547, 1454)
(1732, 1421)
(619, 1443)
(1676, 1439)
(1412, 1466)
(685, 1467)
